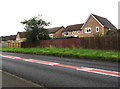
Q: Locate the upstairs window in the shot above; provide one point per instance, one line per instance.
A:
(65, 33)
(97, 29)
(78, 32)
(73, 32)
(51, 35)
(87, 30)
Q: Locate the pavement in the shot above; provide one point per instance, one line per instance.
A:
(10, 80)
(52, 71)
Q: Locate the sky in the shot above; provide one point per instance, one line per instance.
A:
(57, 12)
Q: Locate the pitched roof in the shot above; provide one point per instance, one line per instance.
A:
(4, 38)
(11, 37)
(55, 29)
(21, 34)
(74, 27)
(104, 21)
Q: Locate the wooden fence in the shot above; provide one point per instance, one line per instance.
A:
(14, 45)
(103, 43)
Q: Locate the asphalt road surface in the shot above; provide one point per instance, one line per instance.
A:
(61, 72)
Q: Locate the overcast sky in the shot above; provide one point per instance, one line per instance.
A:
(58, 12)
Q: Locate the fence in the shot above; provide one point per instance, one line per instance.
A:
(3, 45)
(103, 43)
(14, 45)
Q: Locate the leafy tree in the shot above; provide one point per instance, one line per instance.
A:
(35, 29)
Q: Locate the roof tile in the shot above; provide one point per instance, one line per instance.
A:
(105, 22)
(55, 29)
(75, 27)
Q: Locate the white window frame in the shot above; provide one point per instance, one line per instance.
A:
(85, 30)
(78, 32)
(98, 29)
(73, 32)
(51, 35)
(65, 34)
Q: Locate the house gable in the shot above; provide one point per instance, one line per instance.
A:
(90, 26)
(98, 23)
(18, 36)
(56, 32)
(53, 30)
(88, 19)
(72, 30)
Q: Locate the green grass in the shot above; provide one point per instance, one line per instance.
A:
(69, 52)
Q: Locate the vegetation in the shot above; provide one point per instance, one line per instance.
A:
(35, 29)
(108, 33)
(97, 34)
(70, 52)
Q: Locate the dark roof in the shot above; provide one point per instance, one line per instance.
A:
(55, 29)
(21, 34)
(105, 22)
(11, 37)
(75, 27)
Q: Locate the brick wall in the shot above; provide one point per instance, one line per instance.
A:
(92, 23)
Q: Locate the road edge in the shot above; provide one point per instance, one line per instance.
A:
(40, 86)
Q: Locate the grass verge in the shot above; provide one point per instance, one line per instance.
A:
(69, 52)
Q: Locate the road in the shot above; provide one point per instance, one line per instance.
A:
(61, 72)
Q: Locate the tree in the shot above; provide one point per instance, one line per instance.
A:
(35, 29)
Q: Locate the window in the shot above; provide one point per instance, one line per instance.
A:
(97, 29)
(73, 32)
(87, 30)
(65, 33)
(51, 35)
(109, 29)
(78, 32)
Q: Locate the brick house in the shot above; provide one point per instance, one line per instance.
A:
(72, 31)
(56, 32)
(97, 24)
(9, 39)
(20, 37)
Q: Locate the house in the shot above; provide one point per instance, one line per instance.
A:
(56, 32)
(53, 33)
(20, 37)
(9, 39)
(97, 25)
(72, 31)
